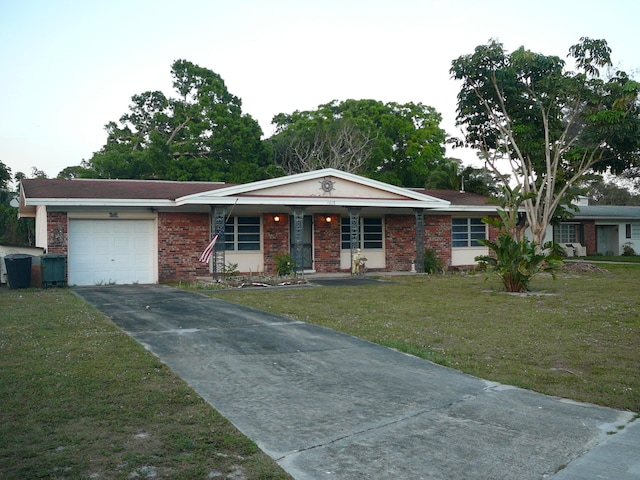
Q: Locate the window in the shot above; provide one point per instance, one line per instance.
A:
(566, 233)
(369, 233)
(633, 231)
(467, 231)
(242, 234)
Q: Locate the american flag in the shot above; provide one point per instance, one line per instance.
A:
(206, 254)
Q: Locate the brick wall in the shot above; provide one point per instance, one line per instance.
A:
(437, 236)
(275, 239)
(400, 239)
(181, 239)
(400, 246)
(590, 239)
(326, 243)
(57, 232)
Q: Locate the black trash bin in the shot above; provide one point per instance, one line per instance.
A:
(54, 270)
(18, 270)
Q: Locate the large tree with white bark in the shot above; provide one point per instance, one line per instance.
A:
(545, 125)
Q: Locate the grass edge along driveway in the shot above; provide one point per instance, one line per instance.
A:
(81, 399)
(575, 337)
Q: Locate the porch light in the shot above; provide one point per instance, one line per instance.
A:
(276, 218)
(328, 219)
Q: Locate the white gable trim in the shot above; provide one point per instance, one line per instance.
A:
(410, 198)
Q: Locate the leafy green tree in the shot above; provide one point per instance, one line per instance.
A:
(201, 134)
(5, 176)
(550, 125)
(13, 230)
(602, 192)
(395, 143)
(514, 258)
(452, 175)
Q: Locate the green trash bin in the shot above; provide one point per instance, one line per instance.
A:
(18, 270)
(53, 268)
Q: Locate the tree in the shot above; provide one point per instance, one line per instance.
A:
(603, 192)
(452, 175)
(201, 134)
(390, 142)
(548, 124)
(338, 144)
(5, 176)
(13, 230)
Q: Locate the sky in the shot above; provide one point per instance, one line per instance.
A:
(68, 67)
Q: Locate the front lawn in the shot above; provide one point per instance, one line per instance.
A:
(80, 399)
(609, 258)
(576, 337)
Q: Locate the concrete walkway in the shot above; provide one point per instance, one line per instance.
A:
(329, 406)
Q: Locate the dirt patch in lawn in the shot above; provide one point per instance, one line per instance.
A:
(582, 267)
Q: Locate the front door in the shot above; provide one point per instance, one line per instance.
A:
(607, 236)
(307, 241)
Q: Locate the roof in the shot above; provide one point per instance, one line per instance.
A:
(327, 187)
(459, 198)
(601, 212)
(114, 189)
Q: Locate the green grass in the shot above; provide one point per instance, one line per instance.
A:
(576, 337)
(80, 399)
(609, 258)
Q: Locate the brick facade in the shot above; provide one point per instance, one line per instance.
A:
(57, 232)
(326, 248)
(437, 236)
(181, 239)
(400, 245)
(275, 239)
(590, 239)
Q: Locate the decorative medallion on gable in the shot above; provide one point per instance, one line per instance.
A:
(327, 185)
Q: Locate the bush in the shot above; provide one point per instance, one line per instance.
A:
(285, 264)
(517, 262)
(627, 249)
(432, 264)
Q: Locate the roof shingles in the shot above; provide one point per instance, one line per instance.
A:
(114, 189)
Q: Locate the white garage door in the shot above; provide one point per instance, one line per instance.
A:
(102, 252)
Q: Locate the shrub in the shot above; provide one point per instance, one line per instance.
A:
(432, 264)
(517, 262)
(627, 249)
(285, 264)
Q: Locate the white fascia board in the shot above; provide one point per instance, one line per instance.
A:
(301, 177)
(99, 202)
(466, 209)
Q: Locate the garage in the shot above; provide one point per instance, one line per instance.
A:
(103, 252)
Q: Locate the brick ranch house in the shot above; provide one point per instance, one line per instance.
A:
(145, 231)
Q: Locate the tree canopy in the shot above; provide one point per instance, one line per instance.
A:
(13, 230)
(525, 112)
(396, 143)
(200, 134)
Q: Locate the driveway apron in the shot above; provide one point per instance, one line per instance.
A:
(330, 406)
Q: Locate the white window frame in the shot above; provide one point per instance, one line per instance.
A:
(567, 233)
(471, 231)
(236, 227)
(345, 233)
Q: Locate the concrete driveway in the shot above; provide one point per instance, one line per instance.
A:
(329, 406)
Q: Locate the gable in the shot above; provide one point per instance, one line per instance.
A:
(325, 187)
(328, 187)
